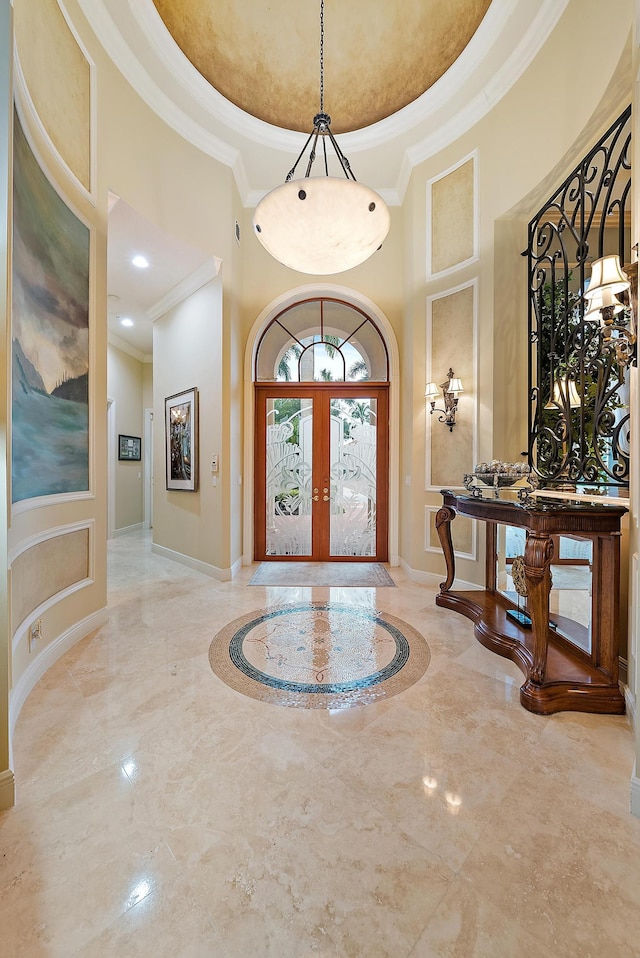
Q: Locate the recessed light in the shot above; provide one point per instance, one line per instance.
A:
(126, 321)
(140, 261)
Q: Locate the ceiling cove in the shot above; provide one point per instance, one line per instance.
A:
(494, 55)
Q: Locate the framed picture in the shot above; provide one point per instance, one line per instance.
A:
(129, 447)
(181, 440)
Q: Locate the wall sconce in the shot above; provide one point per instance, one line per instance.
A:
(608, 280)
(450, 391)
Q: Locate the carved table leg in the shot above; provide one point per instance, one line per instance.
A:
(444, 518)
(538, 553)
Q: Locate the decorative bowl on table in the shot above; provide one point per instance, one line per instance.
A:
(499, 475)
(497, 479)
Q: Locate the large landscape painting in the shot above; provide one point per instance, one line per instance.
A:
(50, 336)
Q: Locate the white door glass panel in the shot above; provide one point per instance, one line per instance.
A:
(353, 475)
(289, 465)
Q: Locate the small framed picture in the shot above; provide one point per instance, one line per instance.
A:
(181, 440)
(129, 447)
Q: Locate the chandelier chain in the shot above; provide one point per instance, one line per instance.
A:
(322, 56)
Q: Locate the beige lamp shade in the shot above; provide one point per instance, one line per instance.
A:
(321, 224)
(455, 386)
(607, 272)
(564, 389)
(431, 392)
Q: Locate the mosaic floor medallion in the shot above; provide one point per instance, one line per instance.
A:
(319, 655)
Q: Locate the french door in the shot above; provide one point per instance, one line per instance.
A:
(321, 476)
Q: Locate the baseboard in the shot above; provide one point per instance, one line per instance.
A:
(432, 578)
(223, 575)
(127, 529)
(47, 657)
(630, 702)
(623, 670)
(7, 790)
(635, 794)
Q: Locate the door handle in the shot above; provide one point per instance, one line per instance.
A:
(326, 498)
(315, 498)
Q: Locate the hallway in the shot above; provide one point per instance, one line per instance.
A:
(160, 813)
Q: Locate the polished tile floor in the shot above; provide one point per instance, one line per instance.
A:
(163, 815)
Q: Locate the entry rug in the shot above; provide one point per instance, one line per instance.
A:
(319, 655)
(367, 575)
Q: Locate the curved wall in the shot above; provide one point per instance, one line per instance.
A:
(56, 550)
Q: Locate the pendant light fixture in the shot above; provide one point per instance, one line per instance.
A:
(321, 224)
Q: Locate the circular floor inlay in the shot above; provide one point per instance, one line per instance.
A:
(319, 655)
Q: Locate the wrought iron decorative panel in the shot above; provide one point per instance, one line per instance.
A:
(579, 399)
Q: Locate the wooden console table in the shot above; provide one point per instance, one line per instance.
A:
(559, 676)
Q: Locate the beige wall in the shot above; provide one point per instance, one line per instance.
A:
(125, 386)
(147, 385)
(58, 78)
(75, 612)
(522, 153)
(188, 352)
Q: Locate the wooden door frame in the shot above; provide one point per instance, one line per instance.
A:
(321, 465)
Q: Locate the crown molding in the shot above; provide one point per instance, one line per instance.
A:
(493, 91)
(209, 121)
(125, 347)
(128, 64)
(190, 284)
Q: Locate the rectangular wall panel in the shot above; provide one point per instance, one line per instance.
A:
(452, 219)
(57, 78)
(463, 534)
(45, 569)
(451, 325)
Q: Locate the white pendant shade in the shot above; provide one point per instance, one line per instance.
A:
(607, 271)
(321, 224)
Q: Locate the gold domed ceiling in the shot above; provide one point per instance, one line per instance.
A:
(379, 56)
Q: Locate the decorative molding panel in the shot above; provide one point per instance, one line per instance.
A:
(464, 530)
(452, 218)
(452, 340)
(46, 568)
(59, 91)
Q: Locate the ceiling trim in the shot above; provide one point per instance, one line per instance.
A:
(511, 71)
(376, 134)
(190, 284)
(125, 347)
(443, 90)
(164, 60)
(128, 64)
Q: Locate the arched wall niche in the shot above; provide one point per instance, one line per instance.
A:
(369, 308)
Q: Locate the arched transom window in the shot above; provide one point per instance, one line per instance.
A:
(321, 340)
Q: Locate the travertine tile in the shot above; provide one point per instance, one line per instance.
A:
(162, 813)
(466, 925)
(319, 872)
